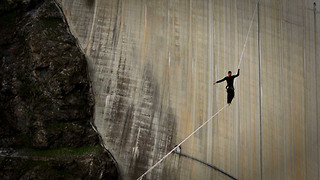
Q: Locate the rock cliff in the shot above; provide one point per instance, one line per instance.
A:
(45, 99)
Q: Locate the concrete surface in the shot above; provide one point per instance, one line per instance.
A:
(153, 64)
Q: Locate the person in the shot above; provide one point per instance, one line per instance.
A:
(229, 87)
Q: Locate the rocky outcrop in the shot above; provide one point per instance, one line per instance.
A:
(45, 98)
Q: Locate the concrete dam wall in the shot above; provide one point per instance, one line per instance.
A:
(152, 64)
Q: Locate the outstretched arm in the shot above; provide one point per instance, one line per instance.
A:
(237, 73)
(220, 81)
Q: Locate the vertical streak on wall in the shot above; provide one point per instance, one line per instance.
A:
(311, 84)
(316, 65)
(317, 59)
(304, 77)
(318, 83)
(260, 89)
(88, 46)
(210, 93)
(238, 101)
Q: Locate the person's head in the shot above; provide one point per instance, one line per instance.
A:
(229, 73)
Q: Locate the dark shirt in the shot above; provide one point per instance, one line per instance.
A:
(229, 80)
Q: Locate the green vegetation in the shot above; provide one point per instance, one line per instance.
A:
(63, 152)
(59, 125)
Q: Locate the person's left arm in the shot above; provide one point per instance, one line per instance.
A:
(237, 73)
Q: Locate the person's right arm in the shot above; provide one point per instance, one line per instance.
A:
(220, 81)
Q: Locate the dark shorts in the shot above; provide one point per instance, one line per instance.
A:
(230, 92)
